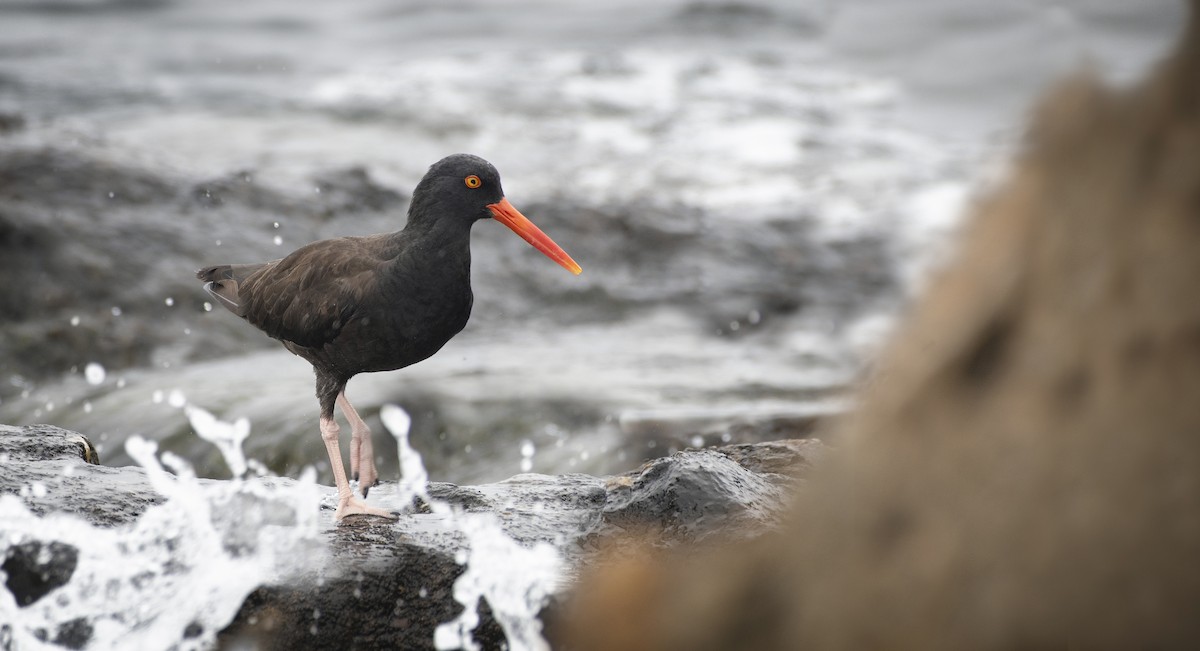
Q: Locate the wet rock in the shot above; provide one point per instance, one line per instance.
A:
(10, 122)
(33, 569)
(238, 188)
(669, 433)
(45, 443)
(719, 271)
(687, 494)
(353, 190)
(742, 18)
(53, 470)
(395, 604)
(789, 459)
(376, 584)
(60, 178)
(74, 634)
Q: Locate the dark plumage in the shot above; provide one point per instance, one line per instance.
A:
(378, 303)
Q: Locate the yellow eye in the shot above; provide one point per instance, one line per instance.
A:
(473, 181)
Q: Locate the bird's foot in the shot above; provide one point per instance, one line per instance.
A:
(351, 505)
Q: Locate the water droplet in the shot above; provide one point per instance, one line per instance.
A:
(74, 320)
(526, 464)
(38, 489)
(278, 240)
(697, 441)
(87, 407)
(754, 317)
(157, 396)
(112, 195)
(94, 373)
(317, 189)
(120, 383)
(527, 448)
(422, 593)
(207, 306)
(176, 399)
(276, 224)
(218, 242)
(116, 311)
(734, 325)
(169, 301)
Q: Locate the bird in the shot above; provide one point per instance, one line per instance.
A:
(374, 303)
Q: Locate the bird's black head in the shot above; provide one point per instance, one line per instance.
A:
(458, 187)
(461, 189)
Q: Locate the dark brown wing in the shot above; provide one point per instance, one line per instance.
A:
(309, 296)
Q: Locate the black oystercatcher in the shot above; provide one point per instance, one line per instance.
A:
(361, 304)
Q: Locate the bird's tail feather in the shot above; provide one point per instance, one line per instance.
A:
(222, 286)
(222, 281)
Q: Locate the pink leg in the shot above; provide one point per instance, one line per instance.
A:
(362, 453)
(347, 503)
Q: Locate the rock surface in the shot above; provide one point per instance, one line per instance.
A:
(376, 584)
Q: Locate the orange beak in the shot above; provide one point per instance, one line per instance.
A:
(506, 214)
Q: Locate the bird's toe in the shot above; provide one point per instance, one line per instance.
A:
(367, 478)
(354, 506)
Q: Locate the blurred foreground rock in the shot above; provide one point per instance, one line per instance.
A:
(1024, 471)
(375, 584)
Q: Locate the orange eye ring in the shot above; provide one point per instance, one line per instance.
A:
(473, 181)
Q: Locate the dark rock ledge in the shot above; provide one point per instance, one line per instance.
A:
(375, 584)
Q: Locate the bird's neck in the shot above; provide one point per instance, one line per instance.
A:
(443, 243)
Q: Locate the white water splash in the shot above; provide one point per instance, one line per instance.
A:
(413, 477)
(515, 580)
(173, 578)
(228, 437)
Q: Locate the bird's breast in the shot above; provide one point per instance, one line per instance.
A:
(407, 328)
